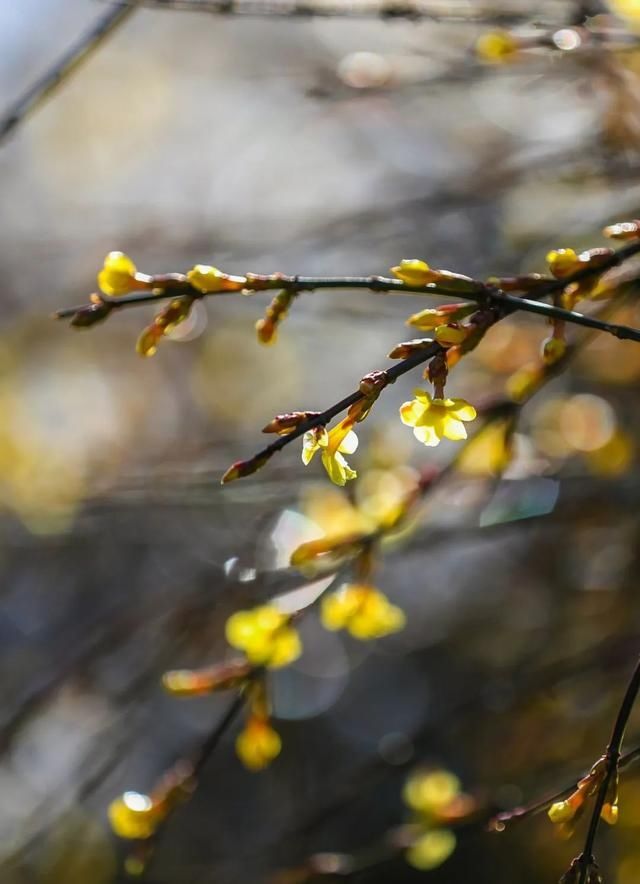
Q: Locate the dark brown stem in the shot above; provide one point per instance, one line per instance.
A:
(612, 758)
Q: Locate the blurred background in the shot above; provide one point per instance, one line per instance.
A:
(320, 146)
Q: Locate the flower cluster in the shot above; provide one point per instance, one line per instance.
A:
(362, 610)
(266, 636)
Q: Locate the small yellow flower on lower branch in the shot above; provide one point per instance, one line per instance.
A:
(134, 816)
(266, 636)
(333, 444)
(258, 744)
(435, 419)
(362, 610)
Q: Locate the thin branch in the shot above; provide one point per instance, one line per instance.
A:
(385, 9)
(174, 285)
(61, 69)
(612, 759)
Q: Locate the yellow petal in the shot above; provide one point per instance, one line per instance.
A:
(427, 435)
(411, 412)
(310, 444)
(453, 429)
(461, 409)
(349, 444)
(337, 468)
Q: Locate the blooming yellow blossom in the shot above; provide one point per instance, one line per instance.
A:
(266, 636)
(118, 275)
(363, 610)
(258, 744)
(435, 419)
(431, 849)
(333, 444)
(134, 816)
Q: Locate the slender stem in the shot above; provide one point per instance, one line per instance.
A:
(212, 741)
(324, 417)
(479, 292)
(612, 760)
(36, 94)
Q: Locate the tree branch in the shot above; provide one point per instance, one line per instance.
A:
(61, 69)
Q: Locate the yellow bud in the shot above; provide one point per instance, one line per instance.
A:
(258, 744)
(147, 343)
(553, 349)
(117, 276)
(206, 279)
(561, 812)
(413, 272)
(609, 813)
(497, 47)
(563, 262)
(134, 816)
(449, 335)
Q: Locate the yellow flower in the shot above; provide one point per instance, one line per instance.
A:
(431, 792)
(118, 275)
(563, 262)
(363, 610)
(265, 635)
(206, 279)
(134, 816)
(333, 444)
(434, 419)
(412, 271)
(209, 280)
(431, 849)
(497, 47)
(258, 744)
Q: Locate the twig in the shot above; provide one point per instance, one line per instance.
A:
(36, 94)
(612, 759)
